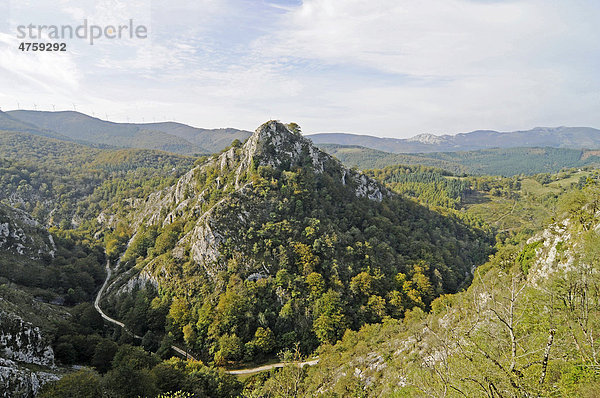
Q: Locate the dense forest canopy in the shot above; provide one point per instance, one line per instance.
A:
(63, 183)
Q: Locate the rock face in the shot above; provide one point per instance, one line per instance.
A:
(21, 345)
(20, 234)
(274, 145)
(17, 381)
(558, 250)
(23, 342)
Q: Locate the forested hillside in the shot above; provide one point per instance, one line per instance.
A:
(526, 326)
(64, 183)
(274, 243)
(503, 203)
(497, 161)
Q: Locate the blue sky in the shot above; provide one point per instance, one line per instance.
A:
(383, 67)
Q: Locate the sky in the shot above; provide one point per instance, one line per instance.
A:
(392, 68)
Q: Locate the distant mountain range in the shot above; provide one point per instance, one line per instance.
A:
(166, 136)
(492, 161)
(183, 139)
(555, 137)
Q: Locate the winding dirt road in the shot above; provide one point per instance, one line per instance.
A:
(99, 296)
(179, 350)
(245, 371)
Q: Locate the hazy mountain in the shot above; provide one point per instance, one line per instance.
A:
(494, 161)
(11, 123)
(184, 139)
(168, 136)
(556, 137)
(212, 140)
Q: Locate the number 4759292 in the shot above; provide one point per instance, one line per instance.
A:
(43, 46)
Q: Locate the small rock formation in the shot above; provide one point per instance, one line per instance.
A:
(21, 345)
(21, 341)
(21, 234)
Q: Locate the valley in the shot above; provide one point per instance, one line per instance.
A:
(273, 264)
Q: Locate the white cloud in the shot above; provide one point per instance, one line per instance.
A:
(450, 65)
(384, 67)
(35, 68)
(433, 38)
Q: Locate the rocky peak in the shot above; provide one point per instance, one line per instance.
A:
(429, 139)
(274, 144)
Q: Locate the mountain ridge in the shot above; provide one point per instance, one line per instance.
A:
(167, 136)
(556, 137)
(491, 161)
(184, 139)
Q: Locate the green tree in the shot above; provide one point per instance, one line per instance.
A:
(80, 384)
(316, 284)
(264, 340)
(103, 355)
(330, 323)
(230, 349)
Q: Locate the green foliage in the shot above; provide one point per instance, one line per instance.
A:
(580, 381)
(80, 384)
(134, 372)
(104, 354)
(68, 271)
(230, 349)
(429, 185)
(527, 256)
(330, 321)
(294, 128)
(504, 336)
